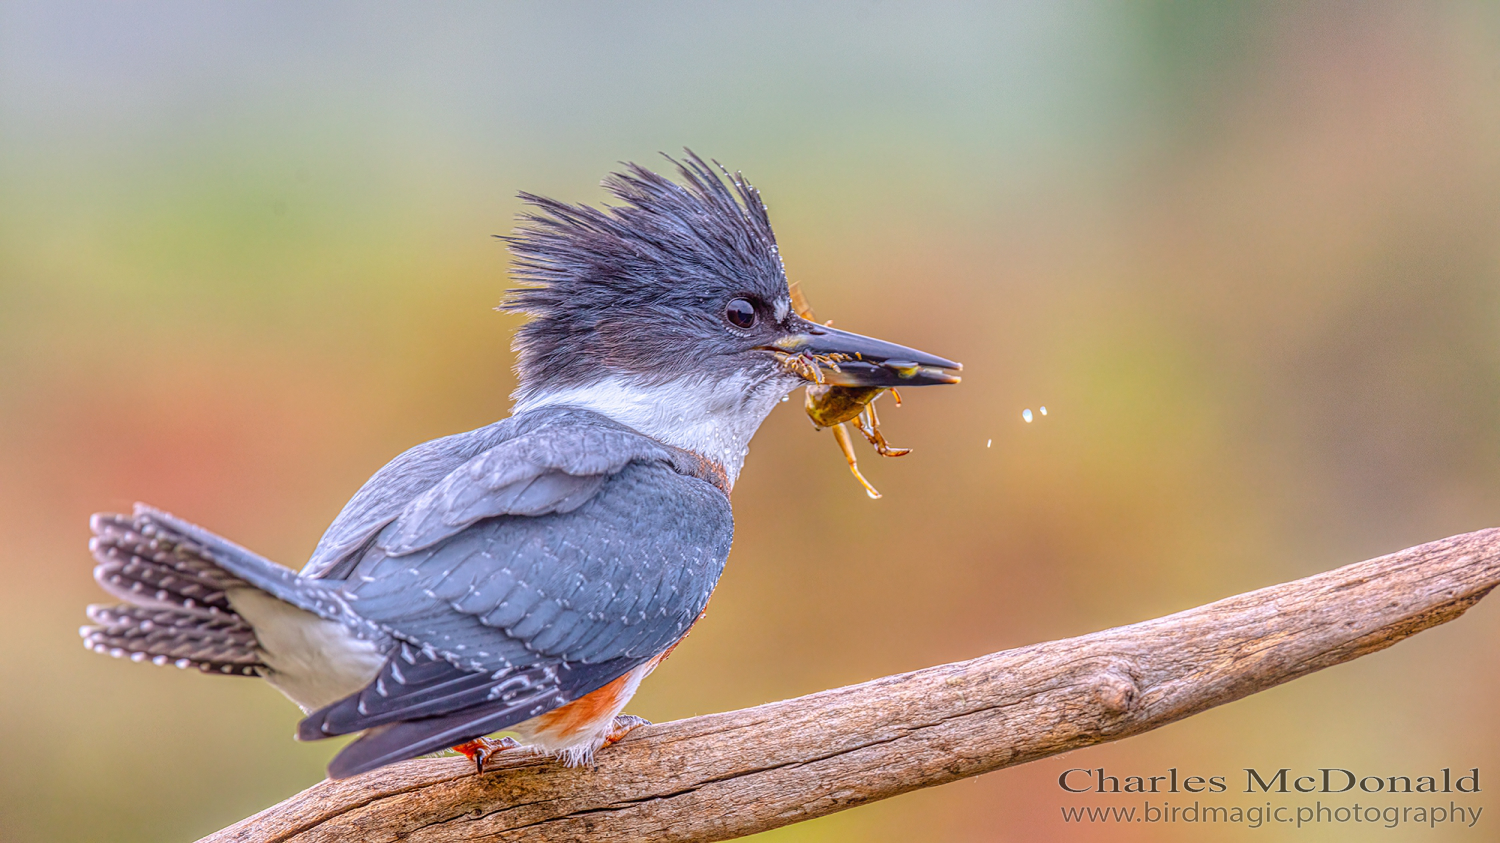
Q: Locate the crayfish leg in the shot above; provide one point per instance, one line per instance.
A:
(873, 434)
(846, 444)
(799, 303)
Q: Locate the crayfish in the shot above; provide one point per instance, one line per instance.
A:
(834, 406)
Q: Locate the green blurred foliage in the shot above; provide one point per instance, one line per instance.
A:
(1246, 254)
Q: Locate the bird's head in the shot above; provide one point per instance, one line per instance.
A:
(671, 313)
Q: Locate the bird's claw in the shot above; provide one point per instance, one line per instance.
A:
(624, 724)
(480, 750)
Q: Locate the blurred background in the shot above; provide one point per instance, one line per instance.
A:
(1247, 255)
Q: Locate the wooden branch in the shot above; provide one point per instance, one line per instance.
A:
(727, 775)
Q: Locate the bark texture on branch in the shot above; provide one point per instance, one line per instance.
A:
(726, 775)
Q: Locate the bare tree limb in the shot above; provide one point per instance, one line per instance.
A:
(727, 775)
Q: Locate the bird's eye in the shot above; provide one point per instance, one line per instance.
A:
(740, 313)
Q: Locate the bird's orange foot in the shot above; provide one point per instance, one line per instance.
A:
(479, 750)
(624, 724)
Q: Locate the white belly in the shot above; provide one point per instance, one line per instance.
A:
(313, 661)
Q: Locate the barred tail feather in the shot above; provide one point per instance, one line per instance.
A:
(154, 546)
(194, 599)
(177, 611)
(142, 564)
(220, 642)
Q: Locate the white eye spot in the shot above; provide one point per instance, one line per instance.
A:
(783, 307)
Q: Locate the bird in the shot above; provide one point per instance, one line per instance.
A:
(525, 576)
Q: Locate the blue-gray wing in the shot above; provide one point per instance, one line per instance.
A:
(620, 575)
(516, 590)
(543, 461)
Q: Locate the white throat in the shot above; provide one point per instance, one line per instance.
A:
(712, 418)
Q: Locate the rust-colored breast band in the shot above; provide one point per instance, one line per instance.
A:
(703, 468)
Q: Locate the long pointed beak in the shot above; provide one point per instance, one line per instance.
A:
(828, 355)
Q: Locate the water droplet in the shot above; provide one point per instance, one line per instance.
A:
(1026, 414)
(988, 442)
(785, 398)
(1044, 411)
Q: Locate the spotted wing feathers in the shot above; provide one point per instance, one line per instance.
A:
(419, 704)
(554, 470)
(620, 577)
(533, 464)
(509, 616)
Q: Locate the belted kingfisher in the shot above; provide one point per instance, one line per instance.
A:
(525, 576)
